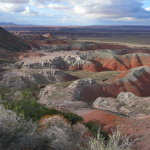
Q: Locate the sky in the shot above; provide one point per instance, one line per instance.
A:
(75, 12)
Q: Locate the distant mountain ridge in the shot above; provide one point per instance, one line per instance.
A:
(6, 23)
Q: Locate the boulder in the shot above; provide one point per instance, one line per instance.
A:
(127, 98)
(104, 103)
(85, 89)
(126, 103)
(54, 96)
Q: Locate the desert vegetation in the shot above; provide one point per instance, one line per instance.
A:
(23, 126)
(116, 141)
(30, 109)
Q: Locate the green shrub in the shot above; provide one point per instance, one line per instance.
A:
(5, 93)
(94, 128)
(73, 118)
(30, 109)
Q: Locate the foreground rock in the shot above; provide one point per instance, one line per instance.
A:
(85, 89)
(126, 104)
(54, 96)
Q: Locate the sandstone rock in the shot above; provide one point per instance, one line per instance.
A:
(85, 89)
(124, 110)
(54, 96)
(126, 103)
(104, 103)
(127, 98)
(46, 93)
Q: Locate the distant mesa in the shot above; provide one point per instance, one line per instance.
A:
(48, 35)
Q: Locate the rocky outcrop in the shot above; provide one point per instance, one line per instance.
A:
(104, 103)
(54, 96)
(33, 78)
(135, 80)
(85, 89)
(126, 103)
(109, 61)
(124, 62)
(90, 61)
(43, 63)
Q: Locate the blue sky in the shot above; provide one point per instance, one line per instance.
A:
(76, 12)
(146, 3)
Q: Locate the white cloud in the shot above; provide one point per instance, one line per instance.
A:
(115, 10)
(109, 8)
(15, 1)
(29, 12)
(147, 9)
(123, 10)
(125, 19)
(12, 8)
(57, 6)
